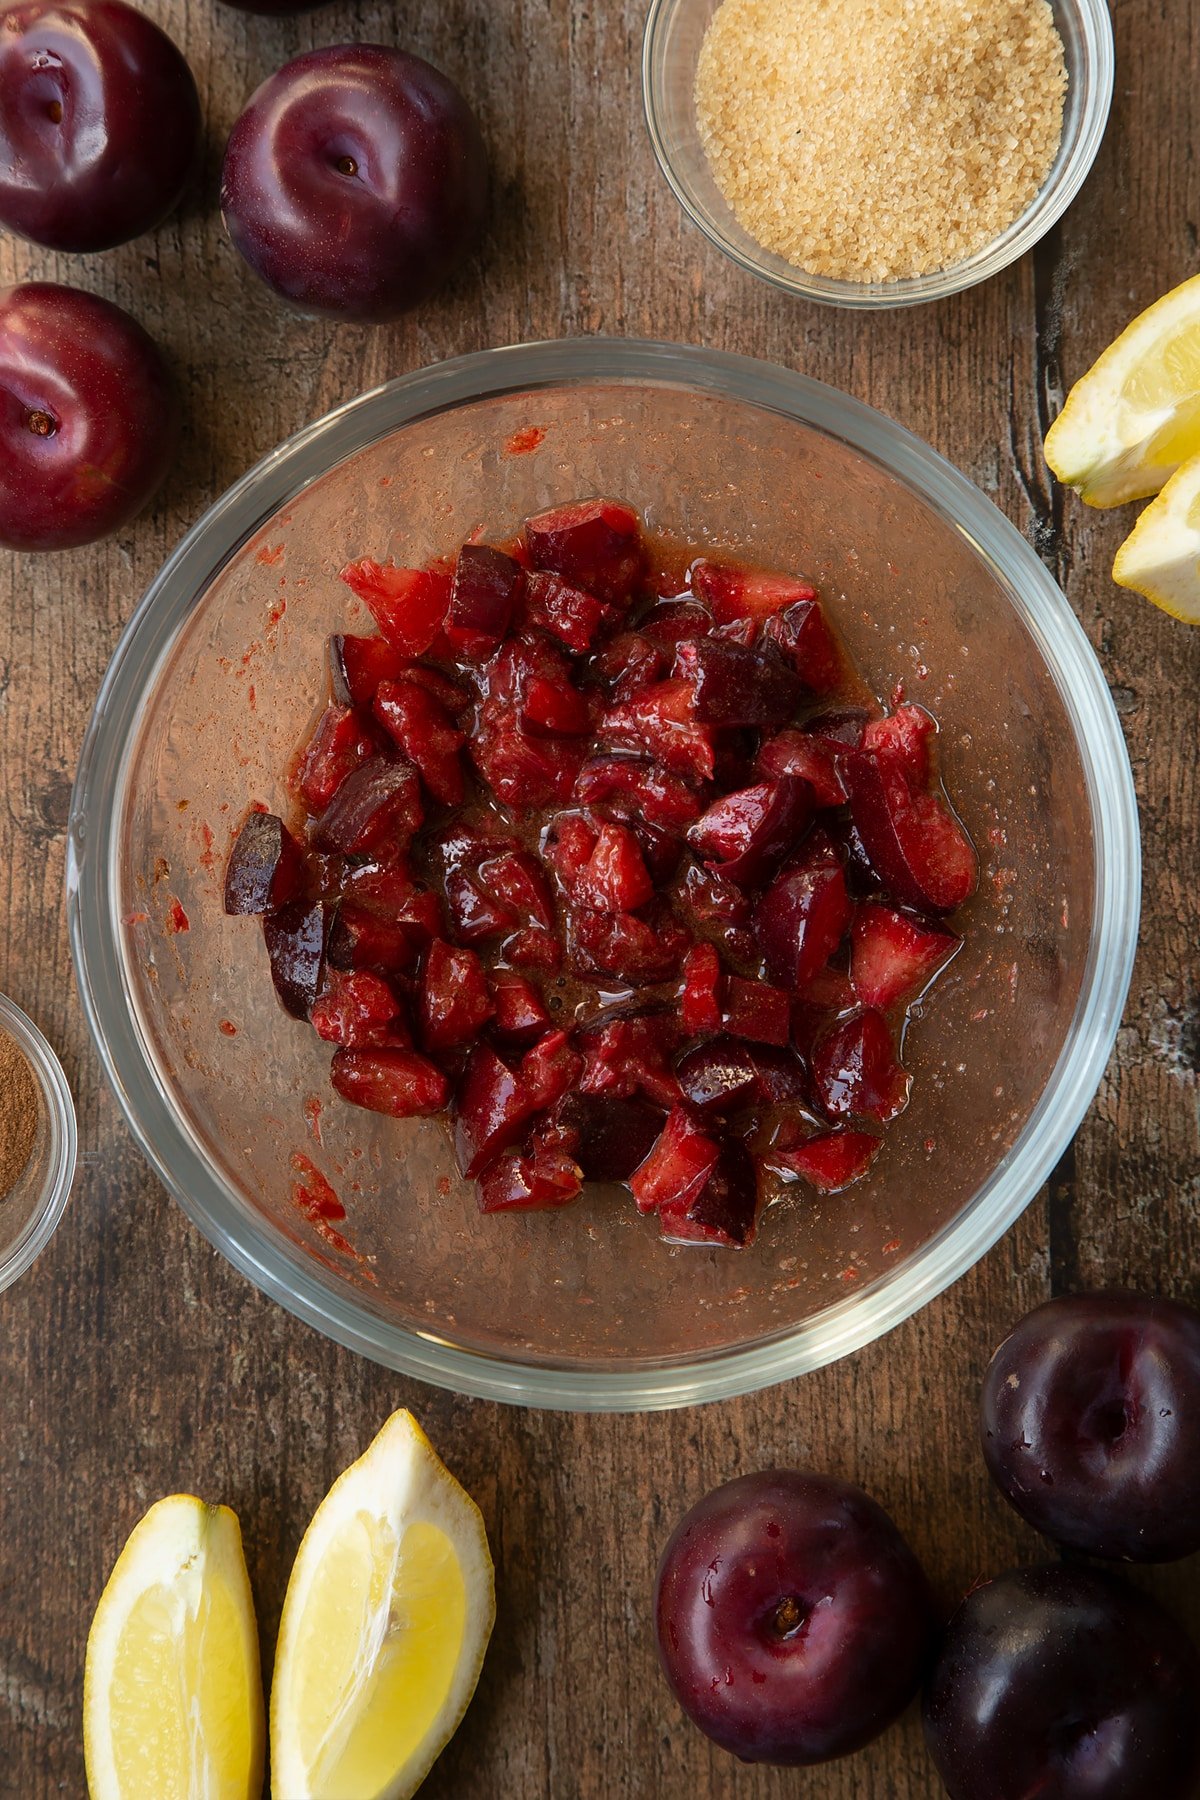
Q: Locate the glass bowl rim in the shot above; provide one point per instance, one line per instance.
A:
(286, 1274)
(1044, 210)
(44, 1220)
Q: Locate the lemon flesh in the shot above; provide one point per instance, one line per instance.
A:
(1134, 418)
(385, 1624)
(1161, 556)
(172, 1688)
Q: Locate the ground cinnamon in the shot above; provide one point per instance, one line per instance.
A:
(18, 1113)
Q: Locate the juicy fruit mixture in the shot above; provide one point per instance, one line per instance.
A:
(605, 851)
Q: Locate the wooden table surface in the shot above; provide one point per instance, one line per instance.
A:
(133, 1360)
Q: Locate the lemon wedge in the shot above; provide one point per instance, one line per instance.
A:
(172, 1693)
(387, 1617)
(1161, 556)
(1134, 417)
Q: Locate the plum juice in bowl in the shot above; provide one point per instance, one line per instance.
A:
(361, 1222)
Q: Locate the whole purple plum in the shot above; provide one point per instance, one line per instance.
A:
(89, 420)
(793, 1620)
(1063, 1684)
(1090, 1423)
(99, 123)
(355, 182)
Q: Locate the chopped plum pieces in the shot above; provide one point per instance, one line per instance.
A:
(675, 1169)
(530, 720)
(670, 621)
(856, 1072)
(360, 1011)
(455, 1001)
(523, 770)
(630, 661)
(660, 850)
(910, 836)
(748, 833)
(397, 1082)
(661, 799)
(611, 1135)
(733, 592)
(475, 914)
(517, 1007)
(723, 833)
(530, 1181)
(862, 877)
(801, 635)
(496, 1102)
(606, 854)
(387, 887)
(800, 754)
(594, 544)
(723, 1211)
(483, 595)
(421, 917)
(554, 709)
(423, 731)
(266, 866)
(359, 939)
(803, 916)
(659, 721)
(893, 956)
(718, 910)
(758, 1012)
(343, 740)
(781, 1075)
(567, 845)
(720, 1075)
(631, 1056)
(549, 1070)
(614, 878)
(491, 1111)
(408, 605)
(903, 737)
(516, 880)
(357, 665)
(735, 685)
(700, 1000)
(840, 728)
(380, 803)
(297, 937)
(568, 613)
(624, 945)
(534, 948)
(833, 1160)
(829, 988)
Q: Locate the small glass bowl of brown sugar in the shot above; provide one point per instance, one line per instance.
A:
(880, 153)
(37, 1142)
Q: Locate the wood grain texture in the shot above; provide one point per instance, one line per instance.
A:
(135, 1362)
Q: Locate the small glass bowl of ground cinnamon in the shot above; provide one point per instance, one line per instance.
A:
(37, 1142)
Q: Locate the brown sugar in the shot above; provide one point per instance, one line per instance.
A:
(19, 1104)
(883, 139)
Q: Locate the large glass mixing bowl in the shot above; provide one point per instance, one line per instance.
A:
(215, 682)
